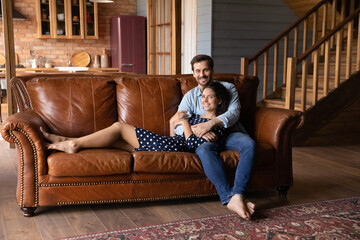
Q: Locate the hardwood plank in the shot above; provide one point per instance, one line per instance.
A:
(141, 214)
(83, 220)
(2, 227)
(16, 225)
(169, 211)
(8, 176)
(112, 216)
(53, 224)
(194, 210)
(320, 173)
(214, 206)
(336, 155)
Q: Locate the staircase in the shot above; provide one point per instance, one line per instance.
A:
(321, 51)
(277, 98)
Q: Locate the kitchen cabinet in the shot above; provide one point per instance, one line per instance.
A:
(91, 19)
(69, 19)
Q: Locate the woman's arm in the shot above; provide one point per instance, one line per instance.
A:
(187, 128)
(174, 121)
(180, 121)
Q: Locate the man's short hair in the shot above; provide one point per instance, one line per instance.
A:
(200, 58)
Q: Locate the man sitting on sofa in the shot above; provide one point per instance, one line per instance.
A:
(235, 139)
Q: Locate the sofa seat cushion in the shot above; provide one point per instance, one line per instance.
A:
(90, 162)
(182, 162)
(166, 162)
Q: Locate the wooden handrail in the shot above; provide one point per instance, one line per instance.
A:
(284, 33)
(327, 36)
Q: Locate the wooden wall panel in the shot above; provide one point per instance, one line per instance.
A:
(204, 27)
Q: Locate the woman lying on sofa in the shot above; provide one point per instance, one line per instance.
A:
(215, 101)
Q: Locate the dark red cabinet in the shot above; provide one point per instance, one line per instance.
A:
(128, 43)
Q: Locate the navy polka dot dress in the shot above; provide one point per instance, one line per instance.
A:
(150, 141)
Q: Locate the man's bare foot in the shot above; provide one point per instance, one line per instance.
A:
(238, 205)
(69, 146)
(53, 137)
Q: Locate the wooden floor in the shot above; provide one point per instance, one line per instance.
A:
(319, 173)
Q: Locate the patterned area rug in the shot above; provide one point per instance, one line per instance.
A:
(335, 219)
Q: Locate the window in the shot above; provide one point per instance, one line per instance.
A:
(164, 42)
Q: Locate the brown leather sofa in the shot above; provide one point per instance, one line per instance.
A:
(78, 104)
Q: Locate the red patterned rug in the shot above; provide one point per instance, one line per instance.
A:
(335, 219)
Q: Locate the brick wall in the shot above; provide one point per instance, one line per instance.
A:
(25, 33)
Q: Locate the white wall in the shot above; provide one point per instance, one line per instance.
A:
(188, 33)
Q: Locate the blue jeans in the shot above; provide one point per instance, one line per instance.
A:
(214, 168)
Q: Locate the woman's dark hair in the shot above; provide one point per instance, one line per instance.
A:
(221, 93)
(200, 58)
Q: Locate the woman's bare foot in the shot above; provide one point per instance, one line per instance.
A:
(69, 146)
(53, 137)
(238, 205)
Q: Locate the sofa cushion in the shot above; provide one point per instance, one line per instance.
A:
(74, 106)
(148, 101)
(180, 162)
(90, 162)
(166, 162)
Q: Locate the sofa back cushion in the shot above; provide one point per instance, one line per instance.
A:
(246, 87)
(148, 101)
(74, 106)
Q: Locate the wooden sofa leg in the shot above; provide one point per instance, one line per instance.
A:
(29, 211)
(283, 190)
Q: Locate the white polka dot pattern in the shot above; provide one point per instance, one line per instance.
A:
(150, 141)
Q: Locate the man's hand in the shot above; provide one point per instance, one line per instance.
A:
(177, 116)
(210, 136)
(201, 129)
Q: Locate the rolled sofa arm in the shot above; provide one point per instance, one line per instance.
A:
(23, 128)
(274, 125)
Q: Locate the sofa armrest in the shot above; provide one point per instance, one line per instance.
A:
(275, 126)
(23, 128)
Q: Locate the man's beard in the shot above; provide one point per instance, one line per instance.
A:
(205, 79)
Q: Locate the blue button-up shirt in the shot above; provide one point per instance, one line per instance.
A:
(191, 103)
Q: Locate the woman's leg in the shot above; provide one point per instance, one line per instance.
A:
(117, 135)
(53, 138)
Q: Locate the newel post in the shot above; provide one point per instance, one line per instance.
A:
(290, 83)
(244, 69)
